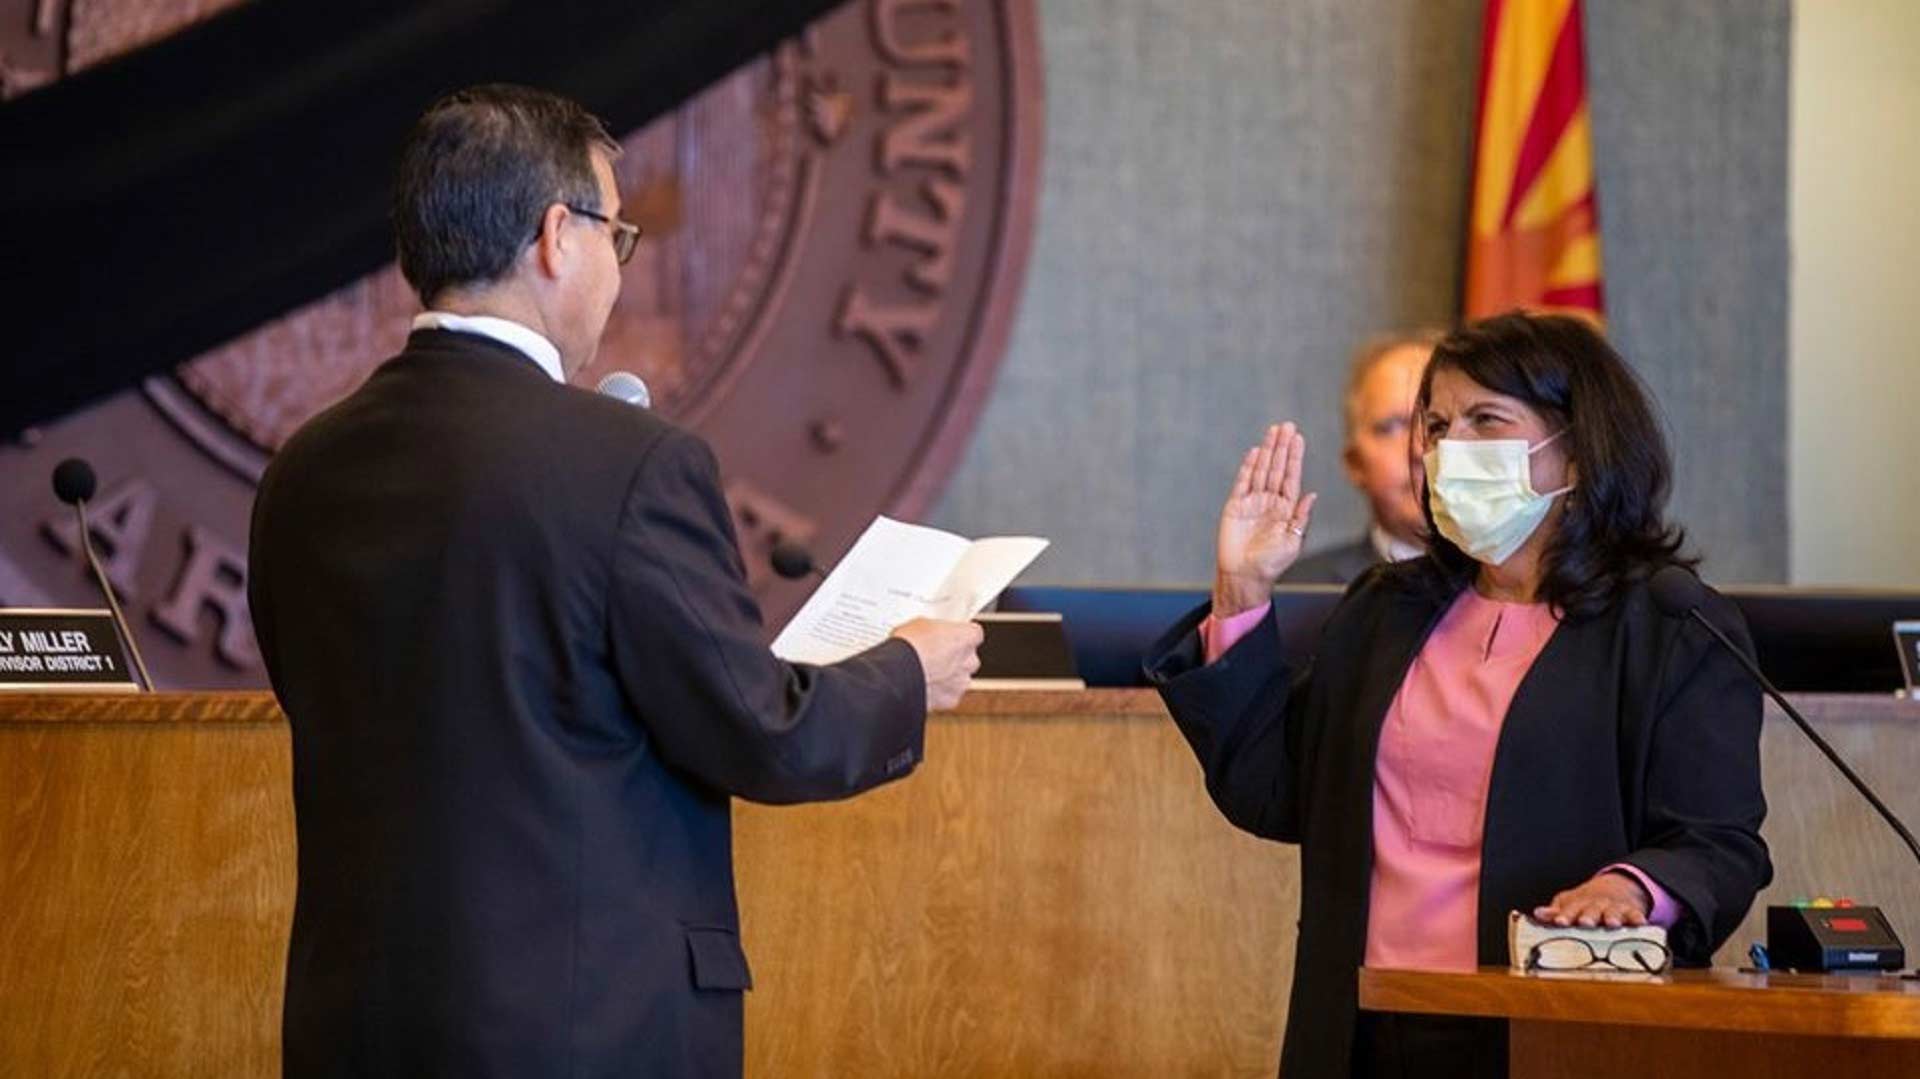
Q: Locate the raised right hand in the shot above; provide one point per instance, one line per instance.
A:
(1263, 524)
(949, 654)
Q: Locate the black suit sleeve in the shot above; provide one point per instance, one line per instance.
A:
(1241, 715)
(686, 642)
(1700, 833)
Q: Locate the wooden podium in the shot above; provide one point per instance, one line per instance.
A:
(1692, 1023)
(1050, 894)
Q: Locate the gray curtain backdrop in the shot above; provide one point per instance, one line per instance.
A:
(1236, 191)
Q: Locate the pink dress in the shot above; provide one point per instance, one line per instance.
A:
(1431, 773)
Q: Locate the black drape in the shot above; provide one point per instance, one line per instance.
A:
(158, 205)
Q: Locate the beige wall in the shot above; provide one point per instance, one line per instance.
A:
(1854, 364)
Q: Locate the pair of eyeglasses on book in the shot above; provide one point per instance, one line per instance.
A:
(1572, 953)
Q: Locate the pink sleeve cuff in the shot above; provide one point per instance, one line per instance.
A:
(1666, 909)
(1217, 635)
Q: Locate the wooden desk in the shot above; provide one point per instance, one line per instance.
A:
(1692, 1023)
(1050, 894)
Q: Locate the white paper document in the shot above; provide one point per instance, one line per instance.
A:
(897, 572)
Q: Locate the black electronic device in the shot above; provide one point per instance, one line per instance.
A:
(1824, 640)
(1678, 594)
(1815, 938)
(1025, 650)
(1906, 640)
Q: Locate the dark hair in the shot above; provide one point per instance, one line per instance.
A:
(1613, 528)
(479, 169)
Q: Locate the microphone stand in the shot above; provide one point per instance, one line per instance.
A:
(1818, 742)
(119, 620)
(1814, 736)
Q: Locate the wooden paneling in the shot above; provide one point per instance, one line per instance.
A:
(1825, 839)
(1050, 894)
(1055, 897)
(146, 884)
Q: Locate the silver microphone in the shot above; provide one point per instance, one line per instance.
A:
(626, 386)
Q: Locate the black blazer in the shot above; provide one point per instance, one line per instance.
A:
(507, 621)
(1634, 737)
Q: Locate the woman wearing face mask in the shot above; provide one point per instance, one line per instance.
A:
(1506, 724)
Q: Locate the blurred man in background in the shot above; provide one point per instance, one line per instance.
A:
(1379, 461)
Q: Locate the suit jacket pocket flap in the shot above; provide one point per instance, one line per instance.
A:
(718, 961)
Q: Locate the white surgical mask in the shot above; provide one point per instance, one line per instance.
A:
(1482, 495)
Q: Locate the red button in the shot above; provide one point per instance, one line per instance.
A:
(1847, 925)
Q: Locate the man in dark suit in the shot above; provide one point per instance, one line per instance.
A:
(507, 620)
(1383, 382)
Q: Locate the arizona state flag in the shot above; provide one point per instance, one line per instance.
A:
(1533, 230)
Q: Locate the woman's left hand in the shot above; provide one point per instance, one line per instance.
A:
(1611, 899)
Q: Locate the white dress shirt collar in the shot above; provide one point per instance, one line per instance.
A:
(506, 331)
(1391, 548)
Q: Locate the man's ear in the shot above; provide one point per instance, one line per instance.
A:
(551, 249)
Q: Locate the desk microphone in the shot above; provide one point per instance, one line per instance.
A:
(792, 561)
(1678, 592)
(626, 386)
(74, 483)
